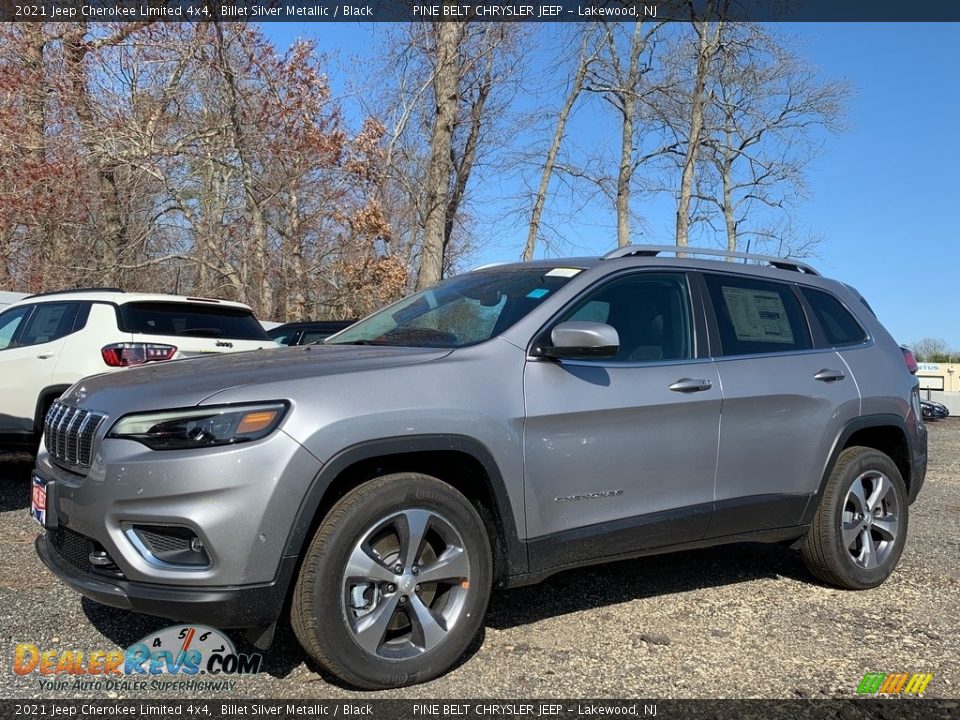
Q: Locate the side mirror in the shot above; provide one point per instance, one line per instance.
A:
(579, 339)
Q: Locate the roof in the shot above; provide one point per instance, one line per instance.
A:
(657, 255)
(119, 297)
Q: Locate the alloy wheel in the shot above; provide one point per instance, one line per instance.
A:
(870, 519)
(405, 584)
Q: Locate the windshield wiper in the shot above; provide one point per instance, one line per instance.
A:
(360, 342)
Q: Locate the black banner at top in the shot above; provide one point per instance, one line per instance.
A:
(478, 11)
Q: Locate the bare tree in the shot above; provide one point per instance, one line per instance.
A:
(708, 34)
(620, 76)
(764, 101)
(448, 84)
(934, 350)
(585, 57)
(446, 102)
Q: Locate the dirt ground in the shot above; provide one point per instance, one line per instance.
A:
(732, 622)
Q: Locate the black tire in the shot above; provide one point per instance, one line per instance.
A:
(825, 549)
(324, 613)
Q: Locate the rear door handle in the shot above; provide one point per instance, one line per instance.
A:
(45, 356)
(829, 375)
(688, 385)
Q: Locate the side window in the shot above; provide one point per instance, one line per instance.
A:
(840, 327)
(650, 312)
(757, 316)
(9, 322)
(314, 336)
(83, 314)
(49, 322)
(286, 338)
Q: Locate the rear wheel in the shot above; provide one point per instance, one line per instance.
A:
(395, 583)
(860, 527)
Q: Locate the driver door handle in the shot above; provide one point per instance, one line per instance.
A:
(827, 375)
(688, 385)
(45, 356)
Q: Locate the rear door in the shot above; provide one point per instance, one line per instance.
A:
(193, 328)
(620, 453)
(784, 403)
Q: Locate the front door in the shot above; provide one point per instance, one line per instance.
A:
(620, 453)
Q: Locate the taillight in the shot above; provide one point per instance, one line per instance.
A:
(127, 354)
(910, 360)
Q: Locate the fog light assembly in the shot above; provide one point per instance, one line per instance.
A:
(169, 546)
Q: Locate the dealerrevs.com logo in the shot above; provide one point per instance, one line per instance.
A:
(171, 659)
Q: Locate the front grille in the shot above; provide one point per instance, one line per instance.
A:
(68, 433)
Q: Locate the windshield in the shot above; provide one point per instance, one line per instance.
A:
(464, 310)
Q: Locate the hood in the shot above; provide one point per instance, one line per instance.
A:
(185, 383)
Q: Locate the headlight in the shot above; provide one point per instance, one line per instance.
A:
(200, 427)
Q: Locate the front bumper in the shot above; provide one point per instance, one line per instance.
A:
(240, 502)
(246, 606)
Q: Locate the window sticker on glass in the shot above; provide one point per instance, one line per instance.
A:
(564, 272)
(758, 315)
(538, 293)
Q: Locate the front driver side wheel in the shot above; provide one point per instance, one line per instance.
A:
(395, 583)
(860, 528)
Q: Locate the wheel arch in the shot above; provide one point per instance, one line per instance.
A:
(460, 461)
(44, 400)
(885, 433)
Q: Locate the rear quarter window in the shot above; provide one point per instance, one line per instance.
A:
(838, 323)
(186, 319)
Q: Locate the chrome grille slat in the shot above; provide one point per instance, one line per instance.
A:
(53, 416)
(80, 433)
(68, 433)
(57, 444)
(70, 449)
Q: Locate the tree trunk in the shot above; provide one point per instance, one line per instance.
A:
(445, 92)
(624, 176)
(728, 207)
(464, 167)
(35, 121)
(705, 48)
(262, 292)
(558, 134)
(114, 226)
(628, 110)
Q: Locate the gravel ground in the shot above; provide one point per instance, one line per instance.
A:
(733, 622)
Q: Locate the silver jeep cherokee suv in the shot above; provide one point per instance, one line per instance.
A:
(499, 427)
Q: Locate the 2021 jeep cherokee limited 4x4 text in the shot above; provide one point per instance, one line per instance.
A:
(494, 429)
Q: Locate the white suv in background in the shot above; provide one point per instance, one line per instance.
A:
(49, 341)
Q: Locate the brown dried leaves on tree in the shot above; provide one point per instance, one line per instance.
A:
(164, 157)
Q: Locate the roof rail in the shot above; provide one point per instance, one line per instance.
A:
(75, 290)
(654, 250)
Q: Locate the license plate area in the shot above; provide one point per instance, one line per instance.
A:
(38, 499)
